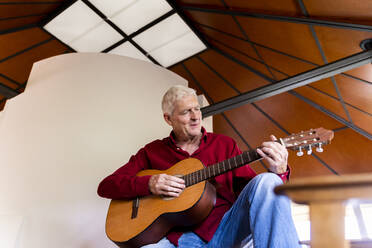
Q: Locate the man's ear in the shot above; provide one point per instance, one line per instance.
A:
(167, 119)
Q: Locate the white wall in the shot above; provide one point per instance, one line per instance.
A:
(81, 117)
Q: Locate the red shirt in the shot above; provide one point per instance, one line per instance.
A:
(161, 155)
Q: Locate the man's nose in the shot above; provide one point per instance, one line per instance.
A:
(194, 114)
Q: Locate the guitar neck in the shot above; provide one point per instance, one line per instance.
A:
(221, 167)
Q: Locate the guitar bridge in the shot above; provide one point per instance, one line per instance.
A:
(135, 206)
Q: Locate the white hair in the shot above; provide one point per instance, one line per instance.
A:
(172, 95)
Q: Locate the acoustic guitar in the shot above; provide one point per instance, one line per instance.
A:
(145, 220)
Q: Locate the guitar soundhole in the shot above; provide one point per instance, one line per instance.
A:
(168, 198)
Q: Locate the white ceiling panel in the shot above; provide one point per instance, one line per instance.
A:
(164, 32)
(127, 49)
(139, 14)
(97, 39)
(178, 50)
(111, 7)
(73, 22)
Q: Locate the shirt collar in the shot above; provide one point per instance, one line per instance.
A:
(172, 136)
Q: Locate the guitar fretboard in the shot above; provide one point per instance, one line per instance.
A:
(220, 168)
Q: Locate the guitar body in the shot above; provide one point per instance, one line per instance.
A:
(157, 215)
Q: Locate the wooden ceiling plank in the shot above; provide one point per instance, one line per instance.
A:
(286, 7)
(26, 50)
(282, 18)
(352, 73)
(349, 152)
(331, 104)
(26, 9)
(293, 82)
(331, 114)
(38, 2)
(292, 38)
(288, 133)
(215, 20)
(216, 73)
(26, 60)
(258, 94)
(16, 24)
(292, 113)
(14, 43)
(221, 124)
(248, 60)
(213, 84)
(325, 61)
(180, 70)
(354, 11)
(337, 44)
(240, 76)
(9, 84)
(239, 43)
(200, 87)
(2, 103)
(242, 64)
(242, 30)
(7, 91)
(206, 3)
(361, 119)
(356, 93)
(284, 63)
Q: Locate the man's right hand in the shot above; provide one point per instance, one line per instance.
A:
(166, 185)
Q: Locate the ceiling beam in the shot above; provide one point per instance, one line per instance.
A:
(287, 84)
(302, 20)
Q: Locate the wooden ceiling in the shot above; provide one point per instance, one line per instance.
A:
(250, 44)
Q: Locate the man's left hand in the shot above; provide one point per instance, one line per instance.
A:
(275, 154)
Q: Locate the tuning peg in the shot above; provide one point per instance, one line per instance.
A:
(300, 152)
(309, 150)
(319, 148)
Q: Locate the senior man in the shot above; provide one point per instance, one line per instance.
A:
(241, 212)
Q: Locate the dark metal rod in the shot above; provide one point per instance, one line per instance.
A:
(273, 50)
(285, 74)
(276, 51)
(287, 84)
(7, 91)
(302, 20)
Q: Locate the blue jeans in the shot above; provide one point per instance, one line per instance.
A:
(257, 213)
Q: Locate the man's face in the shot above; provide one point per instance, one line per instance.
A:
(186, 119)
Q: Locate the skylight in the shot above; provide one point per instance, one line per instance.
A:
(150, 30)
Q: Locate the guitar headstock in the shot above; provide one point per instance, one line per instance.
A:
(306, 140)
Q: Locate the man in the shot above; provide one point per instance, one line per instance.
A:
(254, 213)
